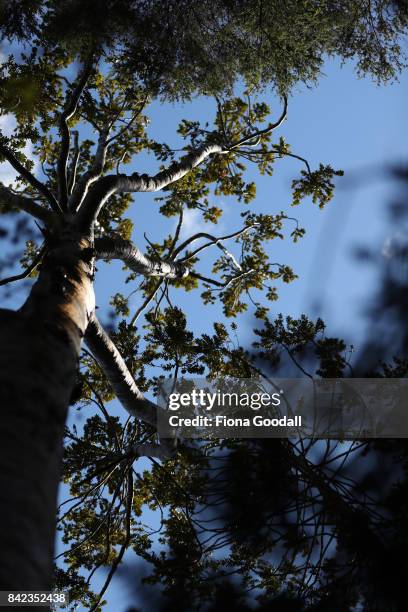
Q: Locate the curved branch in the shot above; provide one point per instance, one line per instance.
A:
(108, 185)
(302, 159)
(257, 135)
(224, 285)
(116, 248)
(280, 153)
(136, 182)
(176, 234)
(30, 178)
(117, 372)
(213, 240)
(23, 203)
(27, 271)
(205, 279)
(176, 171)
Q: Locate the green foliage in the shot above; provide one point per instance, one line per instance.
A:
(29, 256)
(318, 184)
(206, 46)
(189, 557)
(120, 304)
(225, 507)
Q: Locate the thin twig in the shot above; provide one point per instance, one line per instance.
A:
(36, 261)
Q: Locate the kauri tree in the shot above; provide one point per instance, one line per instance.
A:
(78, 78)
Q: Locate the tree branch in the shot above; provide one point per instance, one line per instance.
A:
(117, 372)
(176, 234)
(281, 154)
(27, 272)
(74, 164)
(136, 182)
(30, 178)
(70, 107)
(82, 186)
(128, 522)
(116, 248)
(23, 203)
(147, 301)
(129, 123)
(257, 135)
(227, 283)
(213, 241)
(108, 185)
(177, 170)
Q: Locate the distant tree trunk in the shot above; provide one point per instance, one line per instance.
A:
(39, 348)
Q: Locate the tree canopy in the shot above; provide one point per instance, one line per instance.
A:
(78, 78)
(178, 48)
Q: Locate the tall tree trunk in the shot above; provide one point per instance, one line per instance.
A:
(39, 347)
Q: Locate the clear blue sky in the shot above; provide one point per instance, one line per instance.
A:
(351, 124)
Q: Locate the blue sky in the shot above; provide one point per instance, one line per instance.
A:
(347, 122)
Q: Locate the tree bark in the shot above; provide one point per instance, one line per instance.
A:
(39, 349)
